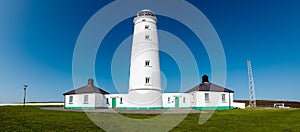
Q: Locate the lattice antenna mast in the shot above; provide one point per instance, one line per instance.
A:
(252, 100)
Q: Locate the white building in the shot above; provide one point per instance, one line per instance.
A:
(89, 97)
(145, 91)
(208, 96)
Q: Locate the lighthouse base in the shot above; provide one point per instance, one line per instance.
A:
(144, 99)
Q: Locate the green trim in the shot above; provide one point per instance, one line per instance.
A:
(166, 108)
(79, 108)
(70, 102)
(85, 102)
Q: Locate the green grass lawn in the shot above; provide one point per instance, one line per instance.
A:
(15, 118)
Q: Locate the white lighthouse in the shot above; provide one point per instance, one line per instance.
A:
(145, 91)
(145, 80)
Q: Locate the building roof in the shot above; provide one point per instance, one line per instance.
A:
(208, 86)
(90, 88)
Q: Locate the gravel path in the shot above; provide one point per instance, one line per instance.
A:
(171, 111)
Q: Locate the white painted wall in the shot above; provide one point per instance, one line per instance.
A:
(140, 93)
(94, 100)
(215, 99)
(239, 105)
(100, 100)
(185, 100)
(118, 97)
(231, 99)
(194, 99)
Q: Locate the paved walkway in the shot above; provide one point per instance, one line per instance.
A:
(171, 111)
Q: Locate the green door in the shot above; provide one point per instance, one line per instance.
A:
(114, 102)
(176, 102)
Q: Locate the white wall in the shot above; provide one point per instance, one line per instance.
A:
(142, 50)
(182, 96)
(100, 100)
(215, 99)
(94, 100)
(142, 94)
(118, 97)
(239, 105)
(231, 99)
(194, 99)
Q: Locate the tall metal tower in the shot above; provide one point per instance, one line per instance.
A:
(252, 100)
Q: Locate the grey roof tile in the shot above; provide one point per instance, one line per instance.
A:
(90, 88)
(207, 86)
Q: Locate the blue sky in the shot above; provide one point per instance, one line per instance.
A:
(37, 39)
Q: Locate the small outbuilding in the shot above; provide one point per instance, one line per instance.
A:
(88, 97)
(208, 95)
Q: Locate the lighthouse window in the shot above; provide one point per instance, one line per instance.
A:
(147, 63)
(146, 26)
(147, 36)
(147, 80)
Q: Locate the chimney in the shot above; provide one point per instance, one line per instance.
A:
(204, 78)
(91, 82)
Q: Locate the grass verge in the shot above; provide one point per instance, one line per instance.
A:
(16, 118)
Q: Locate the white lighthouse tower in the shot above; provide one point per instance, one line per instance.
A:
(145, 89)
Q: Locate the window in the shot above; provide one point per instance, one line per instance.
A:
(144, 20)
(121, 100)
(146, 26)
(223, 98)
(71, 100)
(206, 97)
(86, 99)
(147, 36)
(107, 102)
(147, 80)
(147, 63)
(168, 99)
(183, 99)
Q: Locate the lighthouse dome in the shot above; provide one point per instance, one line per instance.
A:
(145, 15)
(146, 12)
